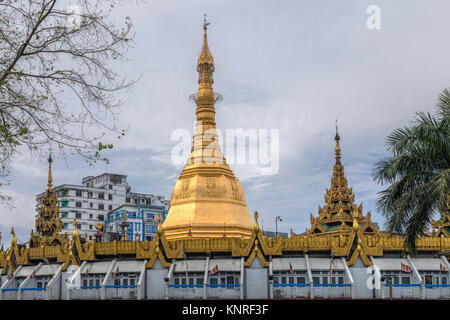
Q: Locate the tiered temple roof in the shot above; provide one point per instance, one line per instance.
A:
(340, 210)
(48, 221)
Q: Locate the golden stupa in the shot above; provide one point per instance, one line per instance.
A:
(207, 200)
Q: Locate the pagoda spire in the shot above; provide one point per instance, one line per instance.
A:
(205, 146)
(337, 148)
(205, 96)
(48, 221)
(207, 200)
(50, 179)
(340, 210)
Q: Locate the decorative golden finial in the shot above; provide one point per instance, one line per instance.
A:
(256, 226)
(336, 137)
(50, 180)
(205, 23)
(75, 232)
(159, 229)
(205, 56)
(355, 225)
(14, 239)
(205, 68)
(99, 227)
(337, 149)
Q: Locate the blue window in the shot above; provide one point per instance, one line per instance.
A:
(150, 228)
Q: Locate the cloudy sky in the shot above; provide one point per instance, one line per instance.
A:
(295, 66)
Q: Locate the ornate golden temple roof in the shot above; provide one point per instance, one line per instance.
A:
(340, 210)
(442, 226)
(48, 222)
(207, 200)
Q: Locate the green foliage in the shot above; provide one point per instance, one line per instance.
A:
(418, 172)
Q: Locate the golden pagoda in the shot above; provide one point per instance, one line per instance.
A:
(48, 222)
(340, 211)
(207, 200)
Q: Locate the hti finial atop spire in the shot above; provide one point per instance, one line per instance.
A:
(205, 56)
(337, 149)
(336, 137)
(205, 23)
(50, 189)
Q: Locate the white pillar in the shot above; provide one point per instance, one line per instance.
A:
(270, 280)
(416, 272)
(106, 279)
(169, 277)
(311, 285)
(205, 278)
(141, 282)
(350, 278)
(241, 279)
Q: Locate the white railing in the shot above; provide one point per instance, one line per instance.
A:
(186, 291)
(34, 294)
(121, 292)
(83, 293)
(225, 291)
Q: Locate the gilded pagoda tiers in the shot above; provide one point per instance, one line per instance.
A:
(207, 200)
(340, 211)
(209, 247)
(48, 221)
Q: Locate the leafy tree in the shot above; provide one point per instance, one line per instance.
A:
(418, 172)
(51, 53)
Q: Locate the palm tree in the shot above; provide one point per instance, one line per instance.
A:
(418, 172)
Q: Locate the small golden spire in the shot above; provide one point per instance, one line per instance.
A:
(205, 68)
(75, 232)
(50, 185)
(205, 56)
(337, 149)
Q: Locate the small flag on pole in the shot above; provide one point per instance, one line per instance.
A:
(443, 268)
(406, 268)
(291, 270)
(115, 272)
(214, 270)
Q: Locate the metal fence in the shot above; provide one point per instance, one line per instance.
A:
(437, 291)
(83, 293)
(225, 291)
(403, 291)
(186, 291)
(333, 291)
(121, 292)
(292, 290)
(10, 294)
(34, 294)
